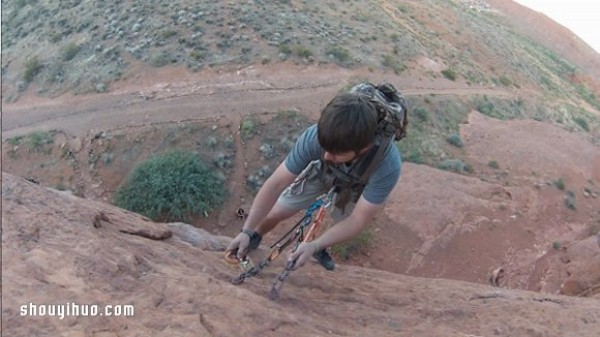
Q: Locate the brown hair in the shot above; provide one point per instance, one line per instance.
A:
(348, 123)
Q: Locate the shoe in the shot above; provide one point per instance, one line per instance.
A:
(324, 259)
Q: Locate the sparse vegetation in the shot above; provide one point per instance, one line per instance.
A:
(494, 164)
(393, 62)
(358, 245)
(582, 123)
(559, 183)
(69, 51)
(171, 187)
(38, 140)
(32, 68)
(340, 54)
(455, 165)
(449, 74)
(505, 81)
(161, 59)
(570, 200)
(248, 127)
(301, 51)
(421, 114)
(454, 139)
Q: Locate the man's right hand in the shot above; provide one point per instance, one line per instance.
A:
(239, 245)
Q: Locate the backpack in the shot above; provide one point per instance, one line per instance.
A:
(392, 115)
(390, 105)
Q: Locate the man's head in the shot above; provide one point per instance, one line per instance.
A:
(347, 127)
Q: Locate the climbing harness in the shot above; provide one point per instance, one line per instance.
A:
(295, 235)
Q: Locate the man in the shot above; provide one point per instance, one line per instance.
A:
(325, 155)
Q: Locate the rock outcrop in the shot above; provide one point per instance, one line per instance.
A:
(61, 251)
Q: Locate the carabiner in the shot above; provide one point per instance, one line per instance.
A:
(329, 197)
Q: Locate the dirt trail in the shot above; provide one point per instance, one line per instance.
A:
(226, 95)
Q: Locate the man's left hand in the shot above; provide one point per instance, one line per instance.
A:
(303, 253)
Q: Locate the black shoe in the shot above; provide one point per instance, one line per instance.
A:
(324, 259)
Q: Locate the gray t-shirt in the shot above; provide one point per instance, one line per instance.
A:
(382, 180)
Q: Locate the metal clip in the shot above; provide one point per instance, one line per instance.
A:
(246, 264)
(328, 198)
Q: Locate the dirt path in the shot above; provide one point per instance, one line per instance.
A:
(202, 97)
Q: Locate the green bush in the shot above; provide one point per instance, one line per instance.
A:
(421, 114)
(341, 54)
(393, 62)
(505, 81)
(360, 244)
(285, 48)
(455, 165)
(32, 68)
(494, 164)
(38, 139)
(69, 51)
(449, 74)
(582, 123)
(455, 140)
(171, 187)
(248, 127)
(560, 184)
(302, 51)
(570, 200)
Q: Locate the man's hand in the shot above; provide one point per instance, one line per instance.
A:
(303, 253)
(240, 244)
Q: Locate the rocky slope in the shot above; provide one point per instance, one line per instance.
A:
(62, 250)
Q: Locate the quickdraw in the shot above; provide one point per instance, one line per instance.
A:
(295, 235)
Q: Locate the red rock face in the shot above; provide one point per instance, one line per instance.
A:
(180, 285)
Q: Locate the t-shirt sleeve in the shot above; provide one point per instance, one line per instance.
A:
(305, 150)
(385, 177)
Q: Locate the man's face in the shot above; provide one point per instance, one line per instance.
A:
(339, 158)
(344, 157)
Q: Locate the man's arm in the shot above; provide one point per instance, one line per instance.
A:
(261, 206)
(267, 196)
(343, 231)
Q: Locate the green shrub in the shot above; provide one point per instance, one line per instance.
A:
(560, 184)
(167, 33)
(487, 108)
(32, 68)
(341, 54)
(393, 62)
(171, 187)
(360, 244)
(421, 114)
(301, 51)
(248, 128)
(285, 48)
(198, 55)
(494, 164)
(455, 140)
(36, 140)
(570, 200)
(505, 81)
(582, 123)
(161, 59)
(449, 74)
(454, 165)
(69, 51)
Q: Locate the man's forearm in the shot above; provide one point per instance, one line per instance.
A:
(267, 196)
(261, 206)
